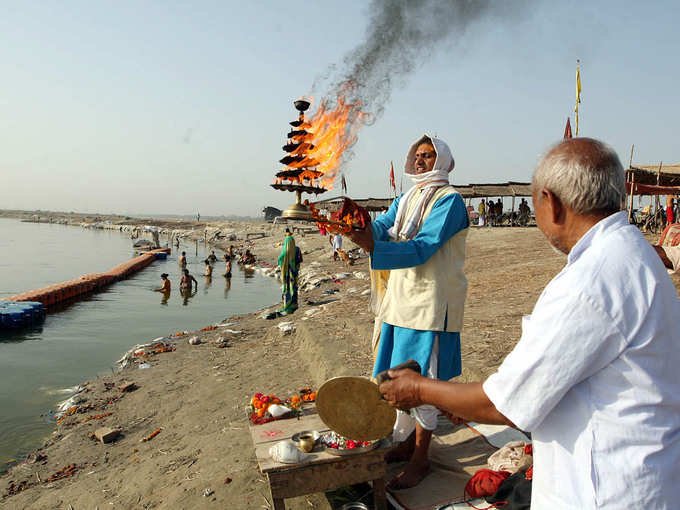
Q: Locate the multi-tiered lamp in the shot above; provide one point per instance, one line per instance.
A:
(300, 174)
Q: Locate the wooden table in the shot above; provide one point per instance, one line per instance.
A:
(321, 471)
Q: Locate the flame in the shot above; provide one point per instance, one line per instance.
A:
(306, 162)
(330, 131)
(301, 149)
(334, 130)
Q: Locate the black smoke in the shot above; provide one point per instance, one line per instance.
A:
(402, 35)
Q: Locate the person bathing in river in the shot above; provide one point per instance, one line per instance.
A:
(165, 284)
(420, 244)
(212, 257)
(227, 269)
(247, 258)
(230, 252)
(186, 282)
(208, 268)
(182, 260)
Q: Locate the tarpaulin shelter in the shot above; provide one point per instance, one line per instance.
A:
(467, 191)
(651, 180)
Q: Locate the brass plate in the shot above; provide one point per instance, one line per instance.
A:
(352, 407)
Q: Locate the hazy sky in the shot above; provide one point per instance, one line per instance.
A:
(177, 107)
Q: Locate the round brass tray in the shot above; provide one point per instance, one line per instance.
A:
(353, 451)
(352, 407)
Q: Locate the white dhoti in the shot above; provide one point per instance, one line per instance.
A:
(425, 415)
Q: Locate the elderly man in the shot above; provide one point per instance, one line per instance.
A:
(594, 375)
(420, 242)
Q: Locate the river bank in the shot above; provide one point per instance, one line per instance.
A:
(196, 394)
(169, 229)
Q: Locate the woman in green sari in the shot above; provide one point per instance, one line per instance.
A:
(289, 262)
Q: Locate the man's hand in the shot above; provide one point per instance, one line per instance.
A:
(403, 390)
(363, 238)
(663, 256)
(456, 420)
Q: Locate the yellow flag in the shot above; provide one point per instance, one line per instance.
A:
(578, 95)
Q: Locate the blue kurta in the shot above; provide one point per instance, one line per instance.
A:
(447, 217)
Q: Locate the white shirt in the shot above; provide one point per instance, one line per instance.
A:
(596, 378)
(337, 242)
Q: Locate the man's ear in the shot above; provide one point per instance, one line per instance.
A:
(557, 210)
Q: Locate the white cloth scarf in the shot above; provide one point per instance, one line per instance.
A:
(407, 228)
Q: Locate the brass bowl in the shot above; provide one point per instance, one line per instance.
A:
(306, 442)
(305, 438)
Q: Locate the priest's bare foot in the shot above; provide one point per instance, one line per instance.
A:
(399, 454)
(403, 451)
(412, 475)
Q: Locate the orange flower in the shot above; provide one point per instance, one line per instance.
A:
(260, 413)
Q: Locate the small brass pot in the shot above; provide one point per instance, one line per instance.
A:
(306, 442)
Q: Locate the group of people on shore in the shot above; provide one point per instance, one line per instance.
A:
(490, 214)
(593, 376)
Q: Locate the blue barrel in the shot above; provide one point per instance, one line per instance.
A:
(23, 310)
(16, 314)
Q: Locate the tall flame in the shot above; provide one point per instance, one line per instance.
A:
(335, 129)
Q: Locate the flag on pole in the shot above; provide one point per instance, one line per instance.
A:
(567, 130)
(578, 94)
(343, 183)
(392, 183)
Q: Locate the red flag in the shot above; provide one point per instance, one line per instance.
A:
(567, 129)
(392, 183)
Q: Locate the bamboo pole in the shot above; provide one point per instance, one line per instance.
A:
(632, 194)
(656, 198)
(512, 212)
(632, 148)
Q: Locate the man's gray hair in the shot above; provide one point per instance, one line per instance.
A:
(585, 174)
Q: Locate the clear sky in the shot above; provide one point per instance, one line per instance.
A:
(176, 107)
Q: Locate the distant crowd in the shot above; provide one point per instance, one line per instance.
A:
(491, 214)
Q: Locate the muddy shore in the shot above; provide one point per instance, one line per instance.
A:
(196, 394)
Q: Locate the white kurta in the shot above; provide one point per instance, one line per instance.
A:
(596, 378)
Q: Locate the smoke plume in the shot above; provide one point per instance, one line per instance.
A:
(401, 36)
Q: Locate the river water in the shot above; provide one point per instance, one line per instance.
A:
(40, 366)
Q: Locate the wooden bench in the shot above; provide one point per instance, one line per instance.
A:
(321, 471)
(255, 235)
(304, 230)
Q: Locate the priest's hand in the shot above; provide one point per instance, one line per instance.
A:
(362, 238)
(403, 389)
